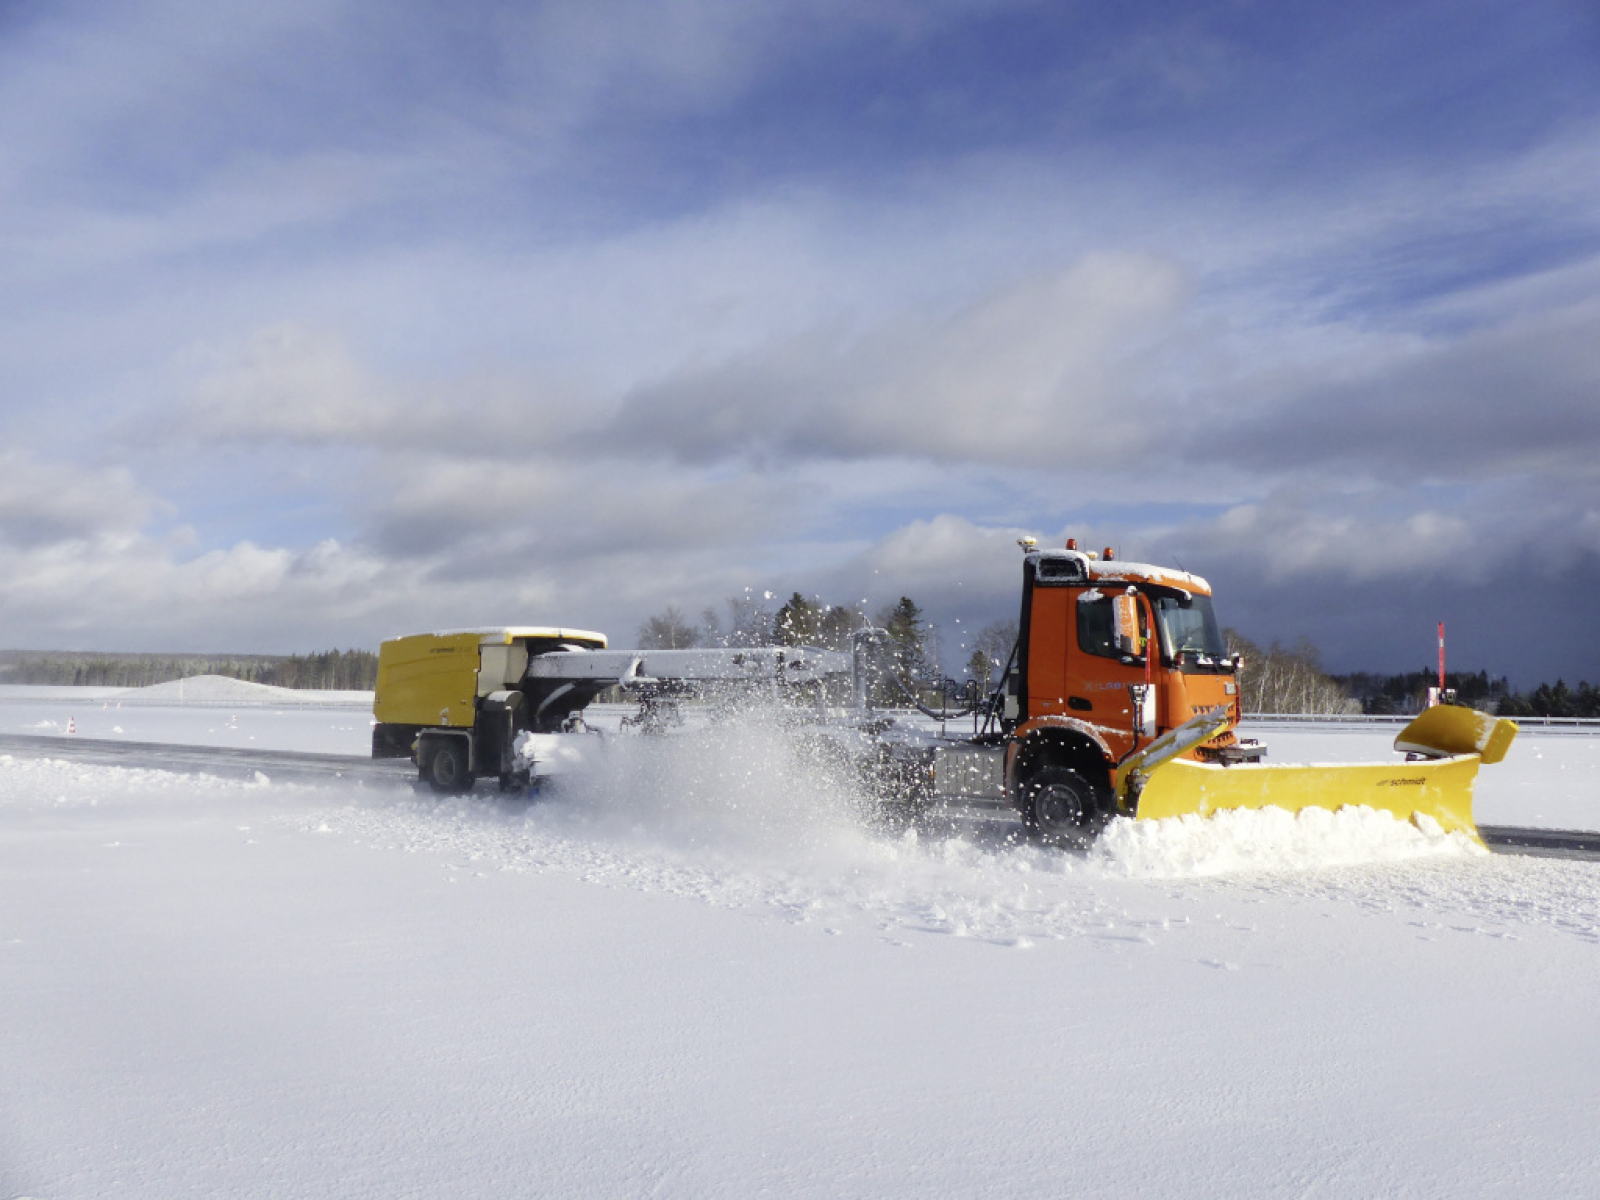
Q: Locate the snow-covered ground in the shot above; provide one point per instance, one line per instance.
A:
(210, 711)
(696, 973)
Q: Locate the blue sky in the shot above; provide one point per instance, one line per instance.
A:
(323, 322)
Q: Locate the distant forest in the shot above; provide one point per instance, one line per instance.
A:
(335, 670)
(1405, 693)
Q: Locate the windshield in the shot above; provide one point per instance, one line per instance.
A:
(1191, 630)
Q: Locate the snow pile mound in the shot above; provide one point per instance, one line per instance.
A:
(1271, 839)
(210, 689)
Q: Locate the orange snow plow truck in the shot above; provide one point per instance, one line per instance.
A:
(1119, 698)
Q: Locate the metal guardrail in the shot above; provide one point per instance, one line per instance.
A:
(227, 761)
(137, 702)
(1552, 724)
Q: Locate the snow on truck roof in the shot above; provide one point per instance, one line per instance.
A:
(1132, 572)
(1062, 564)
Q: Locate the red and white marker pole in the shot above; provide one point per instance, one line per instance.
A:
(1441, 658)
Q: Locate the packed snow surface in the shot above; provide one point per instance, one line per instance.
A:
(697, 971)
(212, 711)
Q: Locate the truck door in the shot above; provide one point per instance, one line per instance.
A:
(1111, 629)
(1048, 638)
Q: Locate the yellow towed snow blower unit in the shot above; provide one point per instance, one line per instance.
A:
(454, 702)
(507, 703)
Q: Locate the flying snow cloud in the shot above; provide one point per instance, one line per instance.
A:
(318, 331)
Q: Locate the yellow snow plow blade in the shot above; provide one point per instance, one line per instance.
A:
(1449, 729)
(1439, 786)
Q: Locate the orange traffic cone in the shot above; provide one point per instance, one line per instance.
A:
(72, 725)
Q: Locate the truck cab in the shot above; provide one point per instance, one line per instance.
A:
(1110, 656)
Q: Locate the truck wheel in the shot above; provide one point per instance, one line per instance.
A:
(1061, 808)
(447, 770)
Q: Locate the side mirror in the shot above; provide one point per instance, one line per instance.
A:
(1125, 623)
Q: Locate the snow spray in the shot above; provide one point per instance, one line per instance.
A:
(743, 778)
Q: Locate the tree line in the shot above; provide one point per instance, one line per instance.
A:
(913, 641)
(1283, 679)
(1557, 700)
(333, 670)
(1407, 692)
(1286, 679)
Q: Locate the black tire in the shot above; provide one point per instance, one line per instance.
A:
(1060, 808)
(447, 768)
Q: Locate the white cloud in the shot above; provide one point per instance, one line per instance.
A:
(538, 512)
(43, 502)
(1284, 543)
(1044, 372)
(288, 382)
(140, 592)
